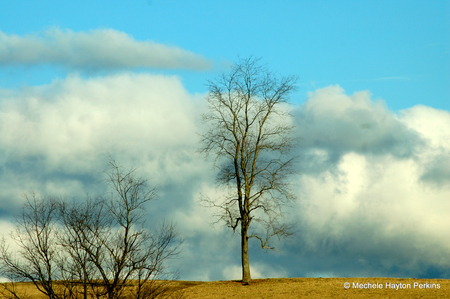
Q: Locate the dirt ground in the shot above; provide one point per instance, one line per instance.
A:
(302, 288)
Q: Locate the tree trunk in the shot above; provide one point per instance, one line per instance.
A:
(246, 277)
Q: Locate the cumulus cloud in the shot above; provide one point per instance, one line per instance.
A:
(374, 217)
(432, 125)
(373, 185)
(334, 123)
(101, 49)
(55, 136)
(374, 194)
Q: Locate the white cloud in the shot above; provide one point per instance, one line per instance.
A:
(384, 206)
(100, 49)
(339, 123)
(432, 125)
(55, 137)
(373, 191)
(376, 209)
(71, 121)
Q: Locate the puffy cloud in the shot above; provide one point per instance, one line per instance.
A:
(373, 186)
(374, 194)
(374, 217)
(56, 136)
(77, 118)
(432, 125)
(100, 49)
(333, 123)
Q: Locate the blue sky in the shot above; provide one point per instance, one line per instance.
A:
(397, 49)
(79, 79)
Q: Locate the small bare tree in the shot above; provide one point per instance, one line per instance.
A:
(86, 231)
(250, 136)
(96, 248)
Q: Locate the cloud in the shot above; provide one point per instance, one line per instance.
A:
(432, 125)
(55, 137)
(331, 124)
(374, 217)
(372, 186)
(101, 49)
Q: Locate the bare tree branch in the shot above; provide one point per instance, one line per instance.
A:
(92, 248)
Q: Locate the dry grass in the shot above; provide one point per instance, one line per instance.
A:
(314, 288)
(296, 288)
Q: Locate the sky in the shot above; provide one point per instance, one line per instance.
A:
(83, 79)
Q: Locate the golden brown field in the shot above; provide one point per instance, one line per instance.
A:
(300, 288)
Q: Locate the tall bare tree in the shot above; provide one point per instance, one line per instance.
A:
(250, 137)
